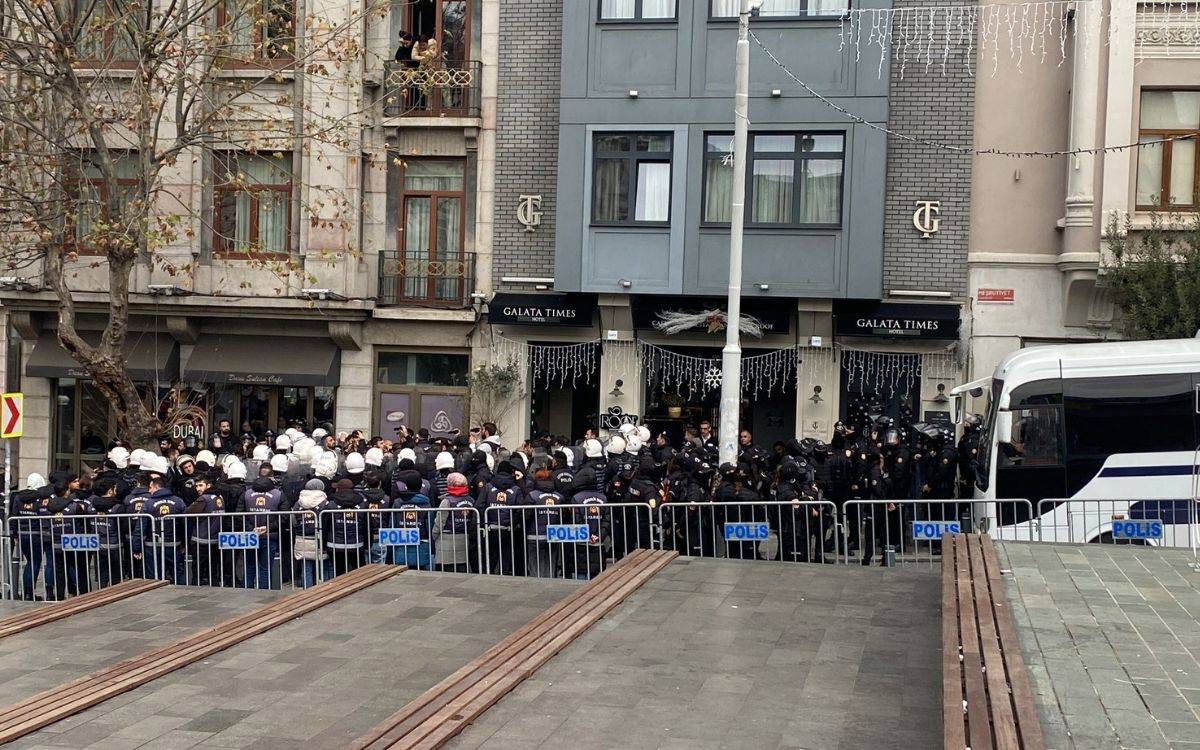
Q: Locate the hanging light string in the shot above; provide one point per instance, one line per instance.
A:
(949, 147)
(557, 365)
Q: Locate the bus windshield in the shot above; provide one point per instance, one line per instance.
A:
(987, 436)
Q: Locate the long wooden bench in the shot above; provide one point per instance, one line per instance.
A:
(987, 701)
(48, 613)
(68, 699)
(450, 706)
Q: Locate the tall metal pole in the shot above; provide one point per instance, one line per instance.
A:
(731, 355)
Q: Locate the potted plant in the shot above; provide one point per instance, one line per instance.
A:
(674, 404)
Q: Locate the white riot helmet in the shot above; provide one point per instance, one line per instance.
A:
(302, 447)
(314, 455)
(283, 443)
(279, 463)
(444, 460)
(35, 481)
(592, 448)
(230, 461)
(355, 463)
(626, 430)
(261, 453)
(616, 445)
(374, 457)
(408, 453)
(206, 457)
(119, 456)
(136, 456)
(236, 469)
(644, 433)
(154, 464)
(634, 443)
(319, 434)
(326, 465)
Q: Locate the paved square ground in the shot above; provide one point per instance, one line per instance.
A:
(67, 649)
(1111, 637)
(728, 654)
(322, 680)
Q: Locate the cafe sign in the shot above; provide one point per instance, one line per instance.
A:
(897, 320)
(542, 309)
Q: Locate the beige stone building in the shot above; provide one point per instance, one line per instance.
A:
(1039, 225)
(378, 327)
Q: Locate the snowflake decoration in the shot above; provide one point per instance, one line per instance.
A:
(713, 377)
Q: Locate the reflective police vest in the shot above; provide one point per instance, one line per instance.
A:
(458, 520)
(411, 516)
(262, 501)
(546, 514)
(503, 498)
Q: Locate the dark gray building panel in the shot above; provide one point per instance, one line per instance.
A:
(937, 106)
(528, 90)
(683, 75)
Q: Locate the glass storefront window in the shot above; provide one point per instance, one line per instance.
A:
(406, 368)
(322, 410)
(65, 401)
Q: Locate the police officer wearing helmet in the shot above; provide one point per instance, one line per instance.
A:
(165, 506)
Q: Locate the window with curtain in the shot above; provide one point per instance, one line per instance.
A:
(631, 178)
(252, 197)
(632, 10)
(432, 230)
(782, 8)
(92, 193)
(258, 31)
(1167, 174)
(102, 38)
(793, 179)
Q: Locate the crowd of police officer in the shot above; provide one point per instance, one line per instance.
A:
(469, 503)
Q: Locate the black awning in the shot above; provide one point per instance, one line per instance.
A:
(542, 309)
(261, 360)
(923, 320)
(149, 357)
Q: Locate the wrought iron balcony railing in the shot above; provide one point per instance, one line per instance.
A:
(423, 280)
(449, 88)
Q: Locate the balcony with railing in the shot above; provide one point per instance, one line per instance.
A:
(418, 280)
(446, 88)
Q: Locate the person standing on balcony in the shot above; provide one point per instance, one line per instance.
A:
(405, 50)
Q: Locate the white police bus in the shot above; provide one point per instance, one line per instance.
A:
(1110, 428)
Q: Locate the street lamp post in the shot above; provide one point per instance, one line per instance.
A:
(731, 355)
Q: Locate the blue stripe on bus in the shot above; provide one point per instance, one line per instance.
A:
(1147, 471)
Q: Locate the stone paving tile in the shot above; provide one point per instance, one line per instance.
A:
(1111, 638)
(777, 657)
(61, 651)
(323, 679)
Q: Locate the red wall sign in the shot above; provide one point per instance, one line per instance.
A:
(995, 295)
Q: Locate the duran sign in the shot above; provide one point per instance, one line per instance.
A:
(541, 309)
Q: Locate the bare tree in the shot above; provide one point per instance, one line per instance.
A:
(108, 106)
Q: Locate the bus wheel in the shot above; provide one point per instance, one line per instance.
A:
(1107, 538)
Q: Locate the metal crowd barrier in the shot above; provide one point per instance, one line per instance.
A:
(56, 557)
(570, 541)
(801, 531)
(905, 532)
(1159, 523)
(253, 550)
(429, 539)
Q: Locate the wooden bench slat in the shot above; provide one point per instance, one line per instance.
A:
(954, 724)
(1004, 726)
(978, 724)
(1025, 711)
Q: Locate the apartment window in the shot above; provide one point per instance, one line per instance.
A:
(259, 31)
(793, 179)
(92, 193)
(637, 10)
(631, 178)
(782, 8)
(102, 37)
(1167, 174)
(432, 229)
(252, 199)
